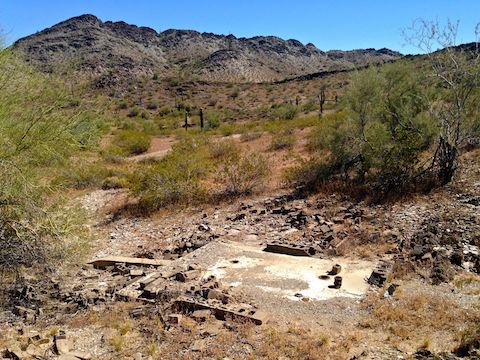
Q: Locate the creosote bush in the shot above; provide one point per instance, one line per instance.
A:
(237, 173)
(197, 171)
(282, 140)
(284, 111)
(131, 142)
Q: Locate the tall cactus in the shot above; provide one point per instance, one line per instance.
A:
(322, 100)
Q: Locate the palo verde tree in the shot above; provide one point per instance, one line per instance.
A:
(40, 127)
(455, 71)
(381, 129)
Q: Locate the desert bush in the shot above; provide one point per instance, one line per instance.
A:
(175, 179)
(284, 112)
(132, 142)
(166, 110)
(239, 174)
(469, 340)
(213, 119)
(152, 105)
(224, 149)
(235, 93)
(83, 175)
(134, 112)
(249, 136)
(310, 105)
(114, 182)
(122, 105)
(283, 140)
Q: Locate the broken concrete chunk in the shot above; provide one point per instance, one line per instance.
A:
(35, 351)
(67, 357)
(286, 250)
(335, 269)
(137, 272)
(337, 282)
(201, 315)
(174, 319)
(82, 355)
(220, 311)
(62, 344)
(187, 275)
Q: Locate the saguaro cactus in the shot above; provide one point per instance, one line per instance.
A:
(201, 119)
(322, 100)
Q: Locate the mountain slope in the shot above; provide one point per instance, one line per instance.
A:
(102, 47)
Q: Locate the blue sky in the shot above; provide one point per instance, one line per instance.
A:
(347, 24)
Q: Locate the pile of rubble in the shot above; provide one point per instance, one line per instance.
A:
(445, 240)
(30, 344)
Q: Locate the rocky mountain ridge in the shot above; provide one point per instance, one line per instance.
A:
(90, 44)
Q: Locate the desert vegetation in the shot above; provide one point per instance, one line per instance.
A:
(41, 127)
(322, 215)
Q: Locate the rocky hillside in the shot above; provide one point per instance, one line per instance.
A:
(90, 44)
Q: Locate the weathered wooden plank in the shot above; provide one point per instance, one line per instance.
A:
(112, 260)
(286, 250)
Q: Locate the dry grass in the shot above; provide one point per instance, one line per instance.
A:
(468, 284)
(416, 318)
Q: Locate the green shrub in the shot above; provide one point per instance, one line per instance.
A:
(39, 131)
(175, 179)
(114, 182)
(224, 149)
(166, 110)
(213, 119)
(235, 93)
(283, 140)
(152, 105)
(380, 134)
(122, 105)
(285, 112)
(83, 175)
(132, 142)
(310, 105)
(134, 112)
